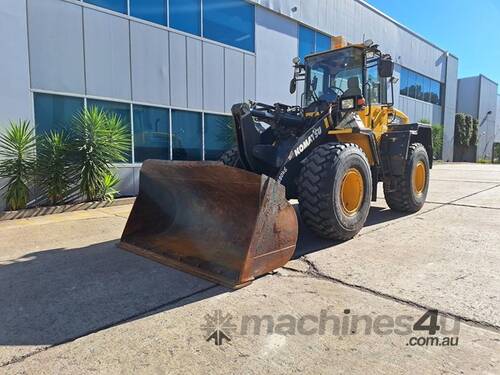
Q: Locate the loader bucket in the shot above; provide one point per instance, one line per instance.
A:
(222, 223)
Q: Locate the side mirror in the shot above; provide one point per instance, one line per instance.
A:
(293, 85)
(385, 68)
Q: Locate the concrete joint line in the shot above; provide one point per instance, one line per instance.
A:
(430, 210)
(464, 205)
(314, 272)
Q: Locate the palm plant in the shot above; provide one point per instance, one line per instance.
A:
(17, 159)
(53, 168)
(98, 140)
(109, 192)
(225, 131)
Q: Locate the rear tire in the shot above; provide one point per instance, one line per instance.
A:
(407, 193)
(232, 158)
(334, 190)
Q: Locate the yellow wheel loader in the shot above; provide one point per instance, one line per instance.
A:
(231, 221)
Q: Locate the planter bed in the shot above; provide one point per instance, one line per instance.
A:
(48, 210)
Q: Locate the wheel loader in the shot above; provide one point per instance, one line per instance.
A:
(231, 221)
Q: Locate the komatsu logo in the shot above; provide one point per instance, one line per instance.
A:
(282, 174)
(307, 142)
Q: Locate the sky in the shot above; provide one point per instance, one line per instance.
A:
(469, 29)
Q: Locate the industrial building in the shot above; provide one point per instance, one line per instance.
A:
(173, 68)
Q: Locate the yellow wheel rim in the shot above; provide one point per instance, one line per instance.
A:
(419, 178)
(351, 191)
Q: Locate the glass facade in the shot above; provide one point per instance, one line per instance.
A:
(186, 135)
(116, 5)
(230, 22)
(120, 109)
(419, 87)
(150, 10)
(151, 133)
(306, 41)
(323, 42)
(311, 41)
(185, 15)
(152, 139)
(219, 135)
(55, 112)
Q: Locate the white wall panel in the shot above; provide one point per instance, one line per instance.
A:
(15, 98)
(150, 62)
(497, 121)
(107, 55)
(233, 77)
(276, 45)
(213, 77)
(178, 70)
(488, 103)
(249, 77)
(449, 107)
(468, 96)
(194, 73)
(55, 45)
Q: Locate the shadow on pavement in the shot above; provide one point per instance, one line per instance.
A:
(309, 242)
(52, 296)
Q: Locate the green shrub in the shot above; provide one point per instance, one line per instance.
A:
(54, 172)
(98, 140)
(474, 132)
(466, 130)
(437, 141)
(496, 153)
(17, 160)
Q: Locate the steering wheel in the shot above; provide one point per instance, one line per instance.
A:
(333, 88)
(330, 94)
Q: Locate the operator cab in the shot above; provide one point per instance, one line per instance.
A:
(350, 78)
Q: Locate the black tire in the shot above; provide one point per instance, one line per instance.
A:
(319, 190)
(400, 191)
(231, 158)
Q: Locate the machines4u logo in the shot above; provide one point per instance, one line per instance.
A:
(218, 327)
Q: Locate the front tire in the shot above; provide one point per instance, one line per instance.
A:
(334, 190)
(407, 193)
(232, 158)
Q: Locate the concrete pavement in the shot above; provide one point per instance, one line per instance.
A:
(71, 302)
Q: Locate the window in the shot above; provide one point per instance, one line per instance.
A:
(373, 87)
(150, 10)
(116, 5)
(185, 15)
(323, 42)
(186, 135)
(229, 21)
(435, 92)
(329, 76)
(55, 112)
(151, 133)
(306, 42)
(219, 135)
(120, 109)
(420, 87)
(311, 41)
(426, 89)
(412, 84)
(403, 82)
